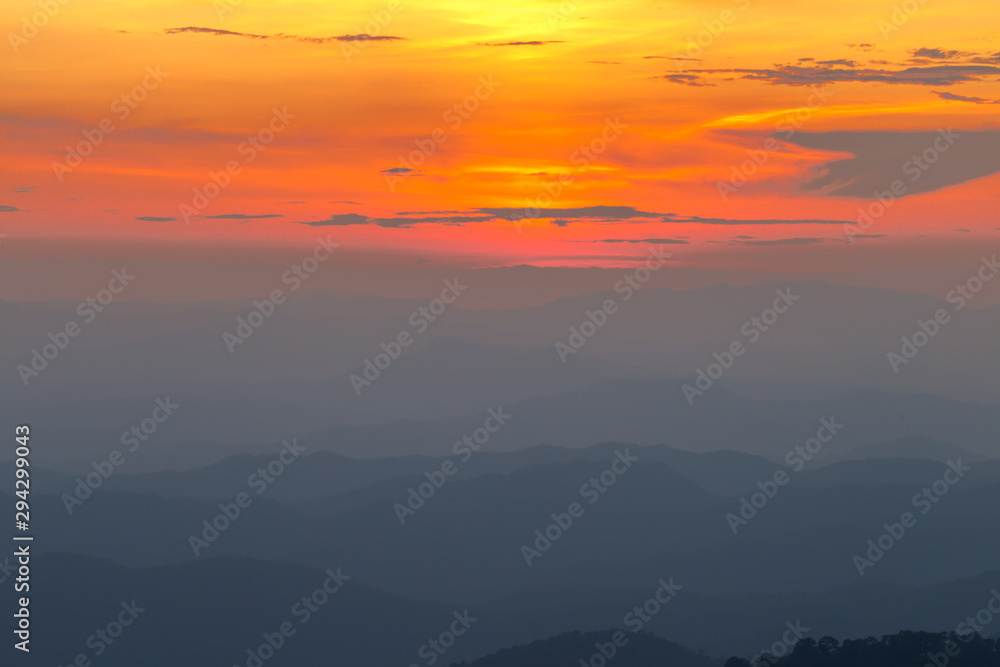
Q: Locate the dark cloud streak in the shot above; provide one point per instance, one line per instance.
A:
(299, 38)
(819, 74)
(560, 217)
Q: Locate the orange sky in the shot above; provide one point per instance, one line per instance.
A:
(561, 72)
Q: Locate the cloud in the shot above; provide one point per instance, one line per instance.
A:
(686, 79)
(10, 209)
(939, 54)
(532, 43)
(589, 212)
(992, 58)
(924, 54)
(879, 158)
(397, 170)
(963, 98)
(669, 217)
(430, 212)
(31, 188)
(603, 62)
(661, 241)
(242, 216)
(363, 37)
(819, 74)
(224, 216)
(560, 217)
(794, 241)
(299, 38)
(211, 31)
(842, 61)
(864, 46)
(438, 220)
(340, 220)
(623, 213)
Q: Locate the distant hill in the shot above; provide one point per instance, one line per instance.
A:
(293, 376)
(569, 649)
(897, 650)
(211, 613)
(223, 607)
(912, 447)
(326, 474)
(652, 521)
(653, 411)
(903, 649)
(903, 471)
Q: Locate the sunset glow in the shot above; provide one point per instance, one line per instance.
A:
(391, 107)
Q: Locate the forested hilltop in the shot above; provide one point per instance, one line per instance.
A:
(625, 649)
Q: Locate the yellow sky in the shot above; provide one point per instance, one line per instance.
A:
(561, 73)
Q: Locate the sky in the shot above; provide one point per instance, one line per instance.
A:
(545, 133)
